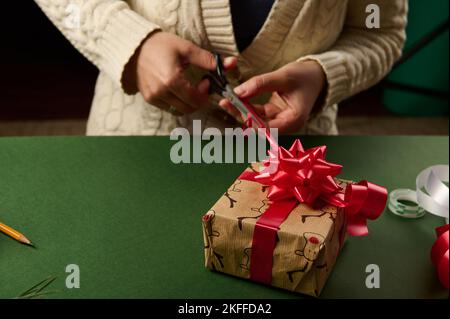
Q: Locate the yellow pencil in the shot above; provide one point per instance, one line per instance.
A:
(14, 234)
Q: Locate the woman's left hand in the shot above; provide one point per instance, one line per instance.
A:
(295, 89)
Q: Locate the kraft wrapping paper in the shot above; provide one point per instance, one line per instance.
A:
(308, 241)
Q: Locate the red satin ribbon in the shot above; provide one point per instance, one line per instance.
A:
(439, 254)
(265, 239)
(303, 176)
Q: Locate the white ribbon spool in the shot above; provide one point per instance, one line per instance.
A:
(431, 194)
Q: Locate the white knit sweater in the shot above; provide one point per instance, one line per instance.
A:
(332, 32)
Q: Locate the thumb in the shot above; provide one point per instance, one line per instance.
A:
(268, 82)
(201, 58)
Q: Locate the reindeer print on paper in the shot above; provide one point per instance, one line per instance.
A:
(313, 243)
(233, 188)
(246, 256)
(211, 233)
(258, 210)
(326, 210)
(246, 259)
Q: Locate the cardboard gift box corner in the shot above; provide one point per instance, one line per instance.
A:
(308, 241)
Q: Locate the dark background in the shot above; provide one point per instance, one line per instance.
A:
(43, 75)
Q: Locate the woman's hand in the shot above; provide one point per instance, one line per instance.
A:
(295, 89)
(159, 72)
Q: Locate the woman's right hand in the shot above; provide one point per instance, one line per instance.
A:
(160, 65)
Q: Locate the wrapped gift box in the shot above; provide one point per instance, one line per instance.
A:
(308, 241)
(284, 222)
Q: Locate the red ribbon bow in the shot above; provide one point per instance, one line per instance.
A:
(439, 254)
(304, 176)
(299, 174)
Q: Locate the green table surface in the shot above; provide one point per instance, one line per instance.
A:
(131, 219)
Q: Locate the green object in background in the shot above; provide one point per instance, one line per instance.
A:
(131, 219)
(428, 68)
(38, 290)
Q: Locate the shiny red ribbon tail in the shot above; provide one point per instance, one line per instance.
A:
(254, 118)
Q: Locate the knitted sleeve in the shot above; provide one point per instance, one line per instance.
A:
(362, 56)
(106, 32)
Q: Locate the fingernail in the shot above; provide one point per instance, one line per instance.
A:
(239, 90)
(228, 60)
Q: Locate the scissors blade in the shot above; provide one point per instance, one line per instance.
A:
(235, 100)
(245, 109)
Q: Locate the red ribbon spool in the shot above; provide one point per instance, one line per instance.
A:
(439, 254)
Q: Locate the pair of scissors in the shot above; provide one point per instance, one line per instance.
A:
(219, 84)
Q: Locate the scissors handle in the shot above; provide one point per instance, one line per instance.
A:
(219, 84)
(220, 70)
(217, 79)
